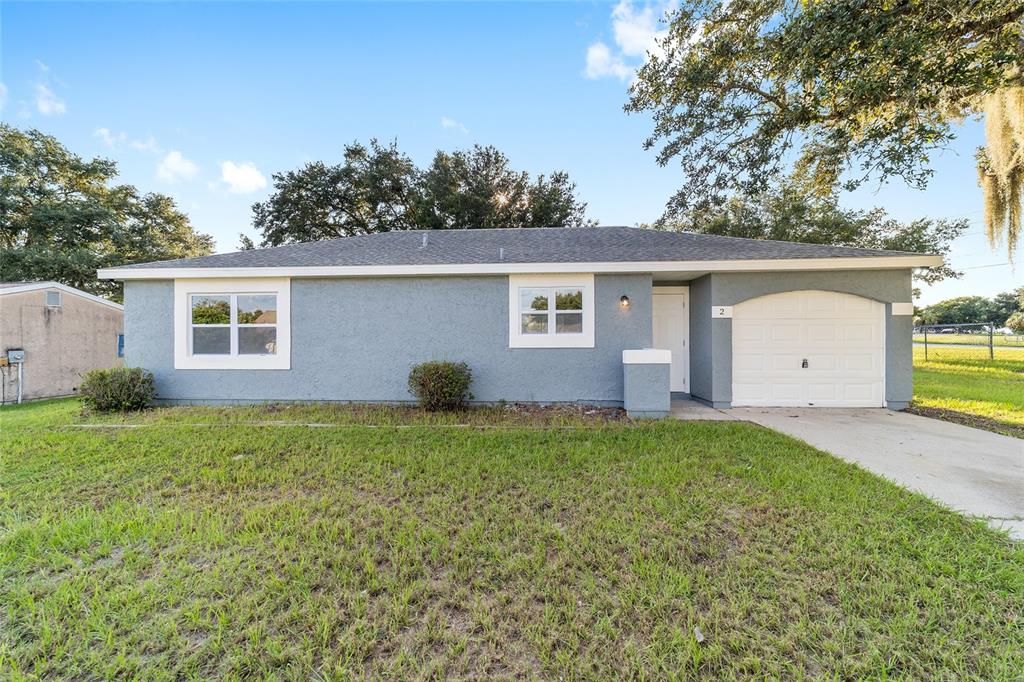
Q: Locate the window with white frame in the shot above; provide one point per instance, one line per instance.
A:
(52, 299)
(232, 324)
(551, 311)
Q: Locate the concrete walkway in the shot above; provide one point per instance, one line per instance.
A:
(691, 410)
(973, 471)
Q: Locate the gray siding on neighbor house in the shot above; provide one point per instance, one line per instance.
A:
(355, 340)
(711, 339)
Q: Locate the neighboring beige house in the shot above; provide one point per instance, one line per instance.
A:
(64, 333)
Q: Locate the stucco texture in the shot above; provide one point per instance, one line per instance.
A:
(646, 390)
(355, 339)
(60, 343)
(711, 339)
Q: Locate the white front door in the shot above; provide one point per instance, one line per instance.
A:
(672, 332)
(808, 348)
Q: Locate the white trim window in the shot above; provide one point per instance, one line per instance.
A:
(232, 324)
(551, 311)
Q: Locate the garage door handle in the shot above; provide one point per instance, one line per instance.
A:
(803, 364)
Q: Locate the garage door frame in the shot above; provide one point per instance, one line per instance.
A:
(768, 379)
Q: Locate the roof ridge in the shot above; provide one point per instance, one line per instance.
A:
(473, 246)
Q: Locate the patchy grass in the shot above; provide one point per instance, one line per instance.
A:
(213, 543)
(960, 386)
(333, 414)
(1015, 340)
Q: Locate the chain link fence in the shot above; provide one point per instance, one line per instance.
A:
(978, 341)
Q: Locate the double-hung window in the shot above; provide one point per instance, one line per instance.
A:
(232, 324)
(551, 311)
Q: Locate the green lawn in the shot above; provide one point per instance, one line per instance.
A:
(973, 339)
(245, 543)
(955, 382)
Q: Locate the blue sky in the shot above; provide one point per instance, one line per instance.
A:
(204, 101)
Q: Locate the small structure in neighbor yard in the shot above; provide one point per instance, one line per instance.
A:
(607, 316)
(51, 334)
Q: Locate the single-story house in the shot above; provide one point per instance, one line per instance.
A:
(546, 315)
(50, 335)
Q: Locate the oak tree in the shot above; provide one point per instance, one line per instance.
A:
(745, 91)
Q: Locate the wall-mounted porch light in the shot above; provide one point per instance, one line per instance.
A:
(624, 302)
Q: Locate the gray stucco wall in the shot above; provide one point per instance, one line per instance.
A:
(711, 339)
(355, 340)
(646, 390)
(701, 340)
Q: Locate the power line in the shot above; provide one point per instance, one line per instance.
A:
(978, 267)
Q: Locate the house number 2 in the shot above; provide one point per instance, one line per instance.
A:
(721, 311)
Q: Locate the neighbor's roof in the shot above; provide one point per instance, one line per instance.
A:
(24, 287)
(564, 245)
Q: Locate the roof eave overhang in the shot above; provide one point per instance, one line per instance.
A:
(39, 286)
(764, 265)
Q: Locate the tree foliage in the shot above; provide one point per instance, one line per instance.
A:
(959, 310)
(1007, 303)
(61, 218)
(999, 310)
(744, 91)
(478, 189)
(372, 190)
(1001, 166)
(789, 213)
(1016, 322)
(378, 188)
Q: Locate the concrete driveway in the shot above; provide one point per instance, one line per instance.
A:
(973, 471)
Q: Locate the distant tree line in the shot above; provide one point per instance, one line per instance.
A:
(377, 188)
(1004, 310)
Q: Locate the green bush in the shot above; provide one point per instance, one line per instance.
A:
(1016, 322)
(119, 389)
(441, 385)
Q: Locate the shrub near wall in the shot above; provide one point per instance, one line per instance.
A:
(119, 389)
(441, 385)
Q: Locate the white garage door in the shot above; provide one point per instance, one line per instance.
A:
(808, 348)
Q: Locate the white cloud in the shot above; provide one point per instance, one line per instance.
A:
(175, 167)
(636, 32)
(112, 139)
(3, 95)
(601, 62)
(109, 138)
(47, 102)
(451, 124)
(148, 145)
(242, 178)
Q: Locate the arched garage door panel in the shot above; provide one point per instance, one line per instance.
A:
(808, 348)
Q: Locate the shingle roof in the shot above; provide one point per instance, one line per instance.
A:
(535, 245)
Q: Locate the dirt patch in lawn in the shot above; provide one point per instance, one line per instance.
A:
(511, 414)
(553, 412)
(974, 420)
